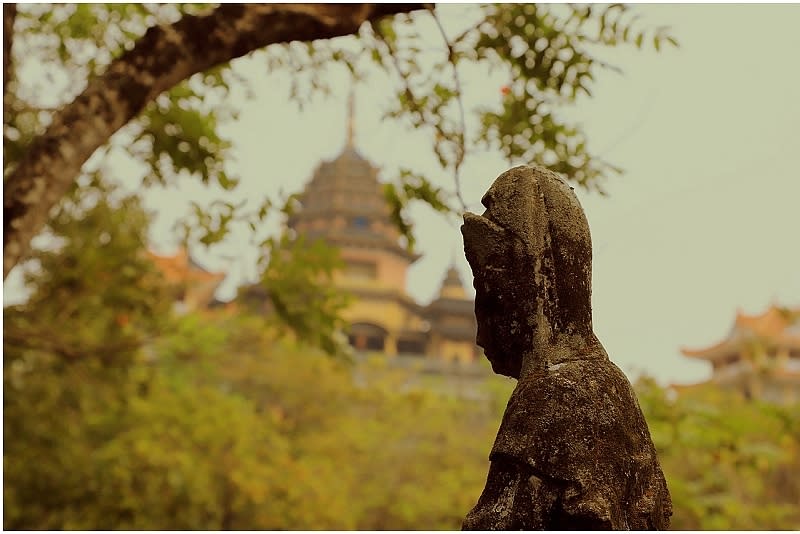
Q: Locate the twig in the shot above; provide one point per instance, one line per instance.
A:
(459, 98)
(415, 107)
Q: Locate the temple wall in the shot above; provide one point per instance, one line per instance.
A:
(390, 270)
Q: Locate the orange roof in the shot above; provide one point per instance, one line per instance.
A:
(180, 268)
(777, 325)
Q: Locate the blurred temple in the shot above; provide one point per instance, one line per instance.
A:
(760, 357)
(344, 204)
(192, 284)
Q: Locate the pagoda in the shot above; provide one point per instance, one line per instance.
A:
(452, 321)
(759, 357)
(344, 204)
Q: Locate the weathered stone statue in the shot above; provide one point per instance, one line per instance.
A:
(573, 450)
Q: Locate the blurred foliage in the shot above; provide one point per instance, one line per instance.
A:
(119, 415)
(412, 186)
(253, 435)
(218, 422)
(227, 427)
(95, 277)
(297, 275)
(731, 463)
(547, 56)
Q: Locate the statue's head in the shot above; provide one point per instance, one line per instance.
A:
(531, 257)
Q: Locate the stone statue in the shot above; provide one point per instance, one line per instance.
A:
(573, 450)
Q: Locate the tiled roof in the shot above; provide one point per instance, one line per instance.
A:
(777, 326)
(181, 268)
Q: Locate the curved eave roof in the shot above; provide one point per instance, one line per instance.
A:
(384, 295)
(776, 327)
(444, 305)
(455, 333)
(720, 350)
(182, 267)
(736, 344)
(365, 239)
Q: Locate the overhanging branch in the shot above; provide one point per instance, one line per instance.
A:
(9, 14)
(164, 56)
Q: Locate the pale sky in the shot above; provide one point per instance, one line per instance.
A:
(703, 222)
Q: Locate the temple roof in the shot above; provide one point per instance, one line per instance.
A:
(452, 295)
(347, 174)
(452, 278)
(347, 188)
(181, 267)
(450, 306)
(453, 303)
(452, 287)
(457, 333)
(777, 326)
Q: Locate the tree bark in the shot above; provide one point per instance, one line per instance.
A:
(9, 14)
(164, 56)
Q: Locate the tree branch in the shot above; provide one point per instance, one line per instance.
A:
(9, 14)
(461, 143)
(164, 56)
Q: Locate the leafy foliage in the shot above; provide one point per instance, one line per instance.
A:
(547, 50)
(239, 430)
(727, 459)
(220, 421)
(297, 276)
(547, 53)
(95, 292)
(412, 186)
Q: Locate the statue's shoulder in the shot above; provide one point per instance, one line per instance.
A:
(559, 419)
(579, 425)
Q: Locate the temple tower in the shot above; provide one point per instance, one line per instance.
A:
(343, 204)
(452, 321)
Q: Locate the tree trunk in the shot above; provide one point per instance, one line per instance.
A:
(164, 56)
(9, 14)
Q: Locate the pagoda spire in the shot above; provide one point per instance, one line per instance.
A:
(351, 122)
(451, 285)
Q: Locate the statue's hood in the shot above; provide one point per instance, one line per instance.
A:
(535, 221)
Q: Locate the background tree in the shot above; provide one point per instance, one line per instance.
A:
(159, 73)
(726, 458)
(119, 414)
(218, 420)
(213, 421)
(95, 279)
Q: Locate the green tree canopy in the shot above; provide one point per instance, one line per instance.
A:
(220, 421)
(153, 81)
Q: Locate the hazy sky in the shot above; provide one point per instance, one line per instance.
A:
(703, 222)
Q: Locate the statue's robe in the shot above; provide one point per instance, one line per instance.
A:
(573, 451)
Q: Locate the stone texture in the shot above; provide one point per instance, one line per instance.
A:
(573, 450)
